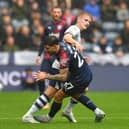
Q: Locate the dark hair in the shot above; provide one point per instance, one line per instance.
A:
(51, 40)
(54, 7)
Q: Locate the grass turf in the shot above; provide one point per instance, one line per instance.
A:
(116, 105)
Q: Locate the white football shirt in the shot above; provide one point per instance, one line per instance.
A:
(75, 32)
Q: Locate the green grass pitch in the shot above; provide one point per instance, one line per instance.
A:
(116, 105)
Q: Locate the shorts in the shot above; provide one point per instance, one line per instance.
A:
(71, 89)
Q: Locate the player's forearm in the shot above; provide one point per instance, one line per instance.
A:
(70, 40)
(57, 77)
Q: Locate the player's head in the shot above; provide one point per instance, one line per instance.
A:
(56, 13)
(51, 44)
(84, 20)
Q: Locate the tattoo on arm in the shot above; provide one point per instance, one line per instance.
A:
(62, 76)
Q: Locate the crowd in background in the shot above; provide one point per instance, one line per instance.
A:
(22, 23)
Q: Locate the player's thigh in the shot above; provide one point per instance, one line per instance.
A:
(71, 89)
(50, 91)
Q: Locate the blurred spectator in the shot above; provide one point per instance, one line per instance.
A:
(35, 24)
(37, 38)
(2, 36)
(34, 6)
(116, 2)
(20, 13)
(5, 11)
(64, 4)
(28, 81)
(122, 11)
(6, 20)
(108, 11)
(93, 8)
(8, 31)
(42, 4)
(3, 4)
(10, 45)
(77, 4)
(125, 34)
(118, 47)
(24, 39)
(68, 17)
(47, 15)
(35, 15)
(103, 46)
(97, 33)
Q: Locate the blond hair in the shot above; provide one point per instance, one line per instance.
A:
(85, 14)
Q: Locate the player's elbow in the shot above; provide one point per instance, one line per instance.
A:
(66, 38)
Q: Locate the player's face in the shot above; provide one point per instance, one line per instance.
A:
(51, 49)
(56, 14)
(85, 22)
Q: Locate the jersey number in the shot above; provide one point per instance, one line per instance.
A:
(68, 86)
(80, 61)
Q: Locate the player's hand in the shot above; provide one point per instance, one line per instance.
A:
(88, 61)
(38, 60)
(79, 47)
(40, 75)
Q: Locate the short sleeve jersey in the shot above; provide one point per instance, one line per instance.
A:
(75, 32)
(79, 71)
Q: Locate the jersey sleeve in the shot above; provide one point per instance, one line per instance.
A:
(72, 30)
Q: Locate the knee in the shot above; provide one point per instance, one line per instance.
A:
(86, 90)
(58, 97)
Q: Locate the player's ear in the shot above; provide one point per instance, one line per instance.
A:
(56, 46)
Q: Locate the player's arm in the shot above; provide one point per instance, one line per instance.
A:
(68, 39)
(62, 76)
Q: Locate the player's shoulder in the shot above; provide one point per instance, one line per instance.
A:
(67, 48)
(73, 28)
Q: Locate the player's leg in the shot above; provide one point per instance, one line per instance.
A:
(39, 104)
(56, 106)
(45, 66)
(67, 112)
(99, 114)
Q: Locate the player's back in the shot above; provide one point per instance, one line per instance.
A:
(79, 71)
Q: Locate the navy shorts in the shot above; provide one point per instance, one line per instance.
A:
(71, 89)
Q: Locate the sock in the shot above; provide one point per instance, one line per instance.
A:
(54, 109)
(39, 103)
(41, 85)
(87, 102)
(71, 104)
(33, 109)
